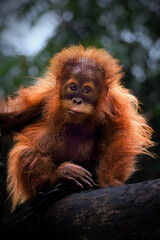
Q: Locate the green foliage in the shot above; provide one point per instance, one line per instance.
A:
(128, 29)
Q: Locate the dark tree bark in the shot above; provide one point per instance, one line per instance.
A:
(125, 212)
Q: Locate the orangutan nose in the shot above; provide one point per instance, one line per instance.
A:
(77, 100)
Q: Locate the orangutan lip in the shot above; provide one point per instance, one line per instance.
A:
(73, 112)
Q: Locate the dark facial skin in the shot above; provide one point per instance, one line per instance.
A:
(81, 85)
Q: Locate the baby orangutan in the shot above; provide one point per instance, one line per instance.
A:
(79, 126)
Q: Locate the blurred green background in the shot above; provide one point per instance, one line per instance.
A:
(32, 31)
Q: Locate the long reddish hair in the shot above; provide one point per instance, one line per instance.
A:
(127, 132)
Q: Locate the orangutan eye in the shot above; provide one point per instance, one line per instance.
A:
(87, 89)
(73, 87)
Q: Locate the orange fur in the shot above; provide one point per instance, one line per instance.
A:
(40, 148)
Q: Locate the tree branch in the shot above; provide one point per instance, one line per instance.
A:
(125, 212)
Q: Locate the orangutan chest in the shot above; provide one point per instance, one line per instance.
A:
(76, 147)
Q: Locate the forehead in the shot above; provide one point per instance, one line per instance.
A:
(83, 67)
